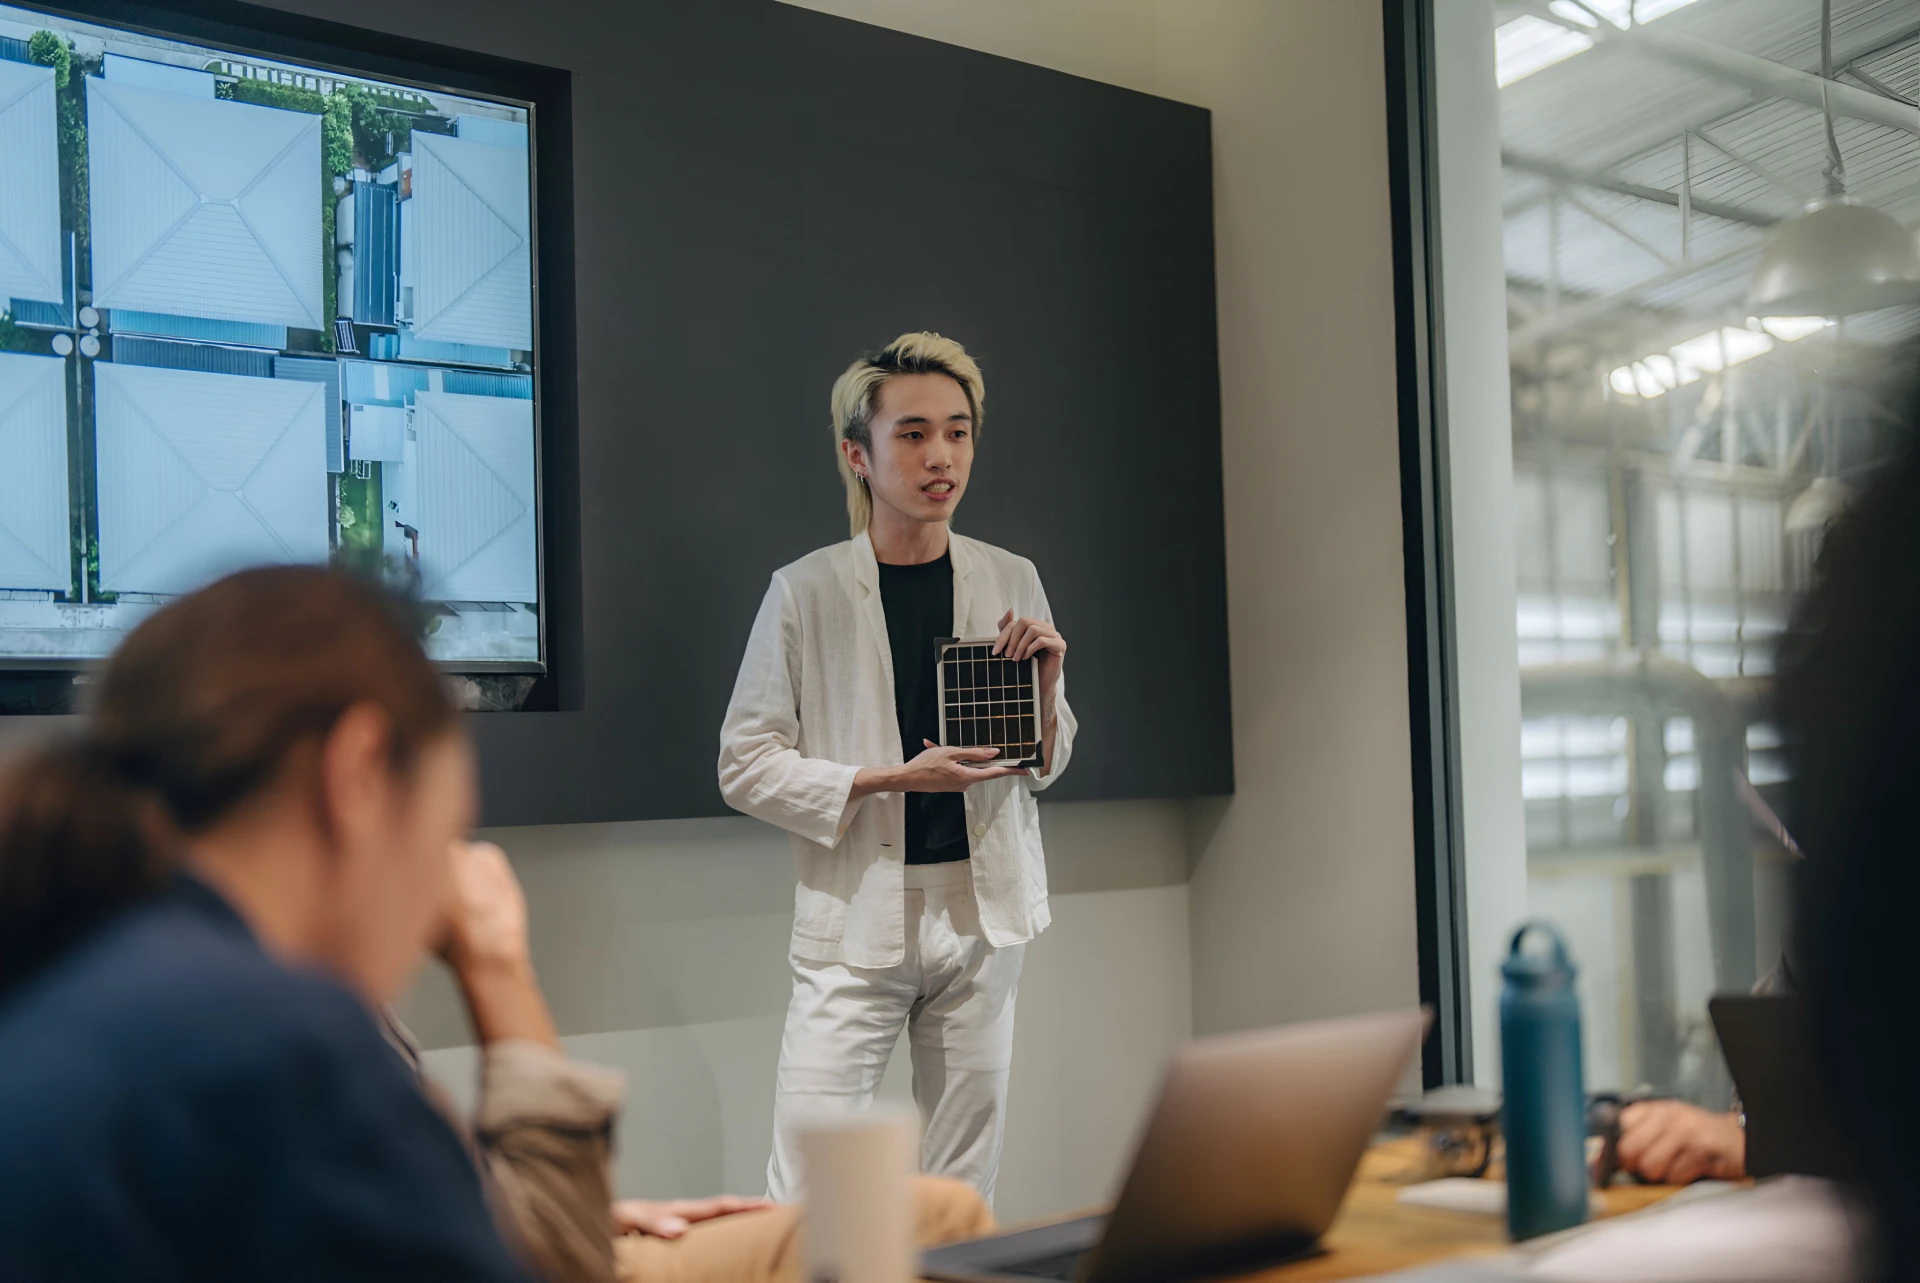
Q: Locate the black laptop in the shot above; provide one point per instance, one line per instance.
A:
(1769, 1048)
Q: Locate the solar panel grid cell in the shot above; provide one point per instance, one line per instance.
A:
(989, 701)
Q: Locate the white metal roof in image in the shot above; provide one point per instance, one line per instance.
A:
(201, 474)
(30, 242)
(468, 252)
(203, 207)
(474, 477)
(35, 536)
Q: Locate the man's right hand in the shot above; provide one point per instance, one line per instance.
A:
(485, 942)
(935, 770)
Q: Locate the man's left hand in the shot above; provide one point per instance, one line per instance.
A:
(1023, 638)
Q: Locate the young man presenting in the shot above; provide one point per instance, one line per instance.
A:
(921, 876)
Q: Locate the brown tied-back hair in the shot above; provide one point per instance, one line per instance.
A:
(196, 712)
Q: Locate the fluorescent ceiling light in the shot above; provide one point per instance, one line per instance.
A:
(1618, 12)
(1648, 10)
(1530, 43)
(1791, 329)
(1716, 350)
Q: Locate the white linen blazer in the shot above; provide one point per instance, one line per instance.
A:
(814, 703)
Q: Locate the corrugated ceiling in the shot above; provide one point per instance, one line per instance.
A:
(1616, 114)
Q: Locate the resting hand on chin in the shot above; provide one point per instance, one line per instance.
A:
(486, 922)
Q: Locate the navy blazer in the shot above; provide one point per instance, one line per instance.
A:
(176, 1104)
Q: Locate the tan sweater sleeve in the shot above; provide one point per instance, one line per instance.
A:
(544, 1130)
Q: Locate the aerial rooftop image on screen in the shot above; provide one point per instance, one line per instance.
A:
(257, 313)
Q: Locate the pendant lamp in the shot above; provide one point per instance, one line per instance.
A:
(1836, 259)
(1839, 257)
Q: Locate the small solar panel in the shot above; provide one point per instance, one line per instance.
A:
(990, 701)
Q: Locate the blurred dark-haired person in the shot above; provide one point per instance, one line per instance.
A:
(1849, 706)
(203, 899)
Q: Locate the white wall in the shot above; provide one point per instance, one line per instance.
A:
(1302, 893)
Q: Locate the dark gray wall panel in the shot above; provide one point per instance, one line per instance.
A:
(761, 191)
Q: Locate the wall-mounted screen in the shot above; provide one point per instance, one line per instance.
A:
(259, 312)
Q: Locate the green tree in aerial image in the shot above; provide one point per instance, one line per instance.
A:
(336, 135)
(50, 50)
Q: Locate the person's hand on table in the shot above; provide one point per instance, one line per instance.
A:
(1669, 1142)
(671, 1219)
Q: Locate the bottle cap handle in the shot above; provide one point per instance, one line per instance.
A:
(1550, 931)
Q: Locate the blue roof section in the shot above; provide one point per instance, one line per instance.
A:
(165, 354)
(31, 311)
(196, 328)
(316, 370)
(485, 383)
(419, 349)
(379, 383)
(376, 253)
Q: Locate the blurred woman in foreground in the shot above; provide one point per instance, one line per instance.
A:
(202, 900)
(207, 900)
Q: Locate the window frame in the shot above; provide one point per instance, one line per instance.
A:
(1425, 521)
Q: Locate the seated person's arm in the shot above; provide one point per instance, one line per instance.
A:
(1669, 1142)
(328, 1161)
(545, 1124)
(544, 1127)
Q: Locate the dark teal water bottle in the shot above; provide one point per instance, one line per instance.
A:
(1545, 1110)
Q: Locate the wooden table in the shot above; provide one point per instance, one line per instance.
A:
(1375, 1234)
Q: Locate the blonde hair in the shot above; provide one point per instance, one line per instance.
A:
(855, 392)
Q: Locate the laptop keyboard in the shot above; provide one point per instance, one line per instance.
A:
(1062, 1266)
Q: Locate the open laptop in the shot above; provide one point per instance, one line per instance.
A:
(1770, 1051)
(1244, 1161)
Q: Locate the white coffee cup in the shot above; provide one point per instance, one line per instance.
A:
(859, 1215)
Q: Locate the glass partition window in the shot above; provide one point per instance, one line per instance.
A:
(1675, 462)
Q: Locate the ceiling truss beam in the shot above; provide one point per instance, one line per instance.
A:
(1569, 177)
(1750, 71)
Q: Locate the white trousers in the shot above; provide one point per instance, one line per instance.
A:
(953, 993)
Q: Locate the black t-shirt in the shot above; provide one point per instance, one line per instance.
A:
(919, 605)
